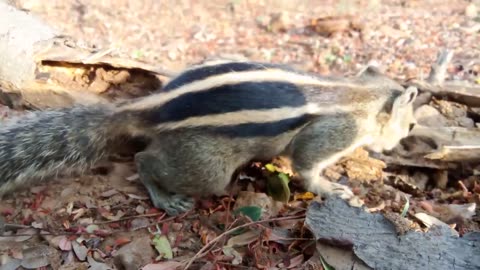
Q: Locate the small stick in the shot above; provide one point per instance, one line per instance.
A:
(439, 69)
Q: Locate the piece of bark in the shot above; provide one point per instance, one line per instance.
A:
(454, 143)
(418, 162)
(42, 68)
(461, 92)
(374, 239)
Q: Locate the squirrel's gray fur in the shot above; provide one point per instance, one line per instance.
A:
(210, 120)
(44, 143)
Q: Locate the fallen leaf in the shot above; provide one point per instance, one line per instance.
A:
(230, 251)
(92, 228)
(36, 225)
(293, 262)
(277, 187)
(36, 257)
(10, 264)
(79, 250)
(24, 234)
(405, 207)
(466, 211)
(243, 239)
(69, 257)
(64, 244)
(78, 213)
(94, 265)
(109, 193)
(253, 212)
(138, 197)
(166, 265)
(38, 189)
(303, 196)
(162, 245)
(140, 209)
(121, 241)
(139, 223)
(429, 220)
(280, 235)
(270, 167)
(133, 177)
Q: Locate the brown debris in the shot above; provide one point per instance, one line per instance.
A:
(359, 166)
(335, 24)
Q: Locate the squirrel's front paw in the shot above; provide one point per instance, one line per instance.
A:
(326, 188)
(175, 204)
(340, 190)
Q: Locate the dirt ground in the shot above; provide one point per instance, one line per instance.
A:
(107, 211)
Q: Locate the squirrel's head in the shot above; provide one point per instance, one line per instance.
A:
(396, 119)
(396, 122)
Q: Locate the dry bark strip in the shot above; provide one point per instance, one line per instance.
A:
(374, 240)
(42, 68)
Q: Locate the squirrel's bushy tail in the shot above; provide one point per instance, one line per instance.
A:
(45, 143)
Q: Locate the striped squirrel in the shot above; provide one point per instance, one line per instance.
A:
(209, 121)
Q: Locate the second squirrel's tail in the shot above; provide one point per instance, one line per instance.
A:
(45, 143)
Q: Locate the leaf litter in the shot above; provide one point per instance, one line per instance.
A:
(98, 217)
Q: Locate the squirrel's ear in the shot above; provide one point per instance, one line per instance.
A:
(369, 71)
(408, 96)
(403, 101)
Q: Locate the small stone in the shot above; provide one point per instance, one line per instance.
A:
(429, 116)
(172, 55)
(140, 209)
(279, 22)
(471, 11)
(465, 122)
(139, 223)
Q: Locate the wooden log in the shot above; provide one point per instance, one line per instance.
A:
(42, 68)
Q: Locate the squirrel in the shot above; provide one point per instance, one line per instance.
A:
(210, 120)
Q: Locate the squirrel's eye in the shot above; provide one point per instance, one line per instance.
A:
(411, 127)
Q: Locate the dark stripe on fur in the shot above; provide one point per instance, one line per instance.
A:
(228, 98)
(202, 73)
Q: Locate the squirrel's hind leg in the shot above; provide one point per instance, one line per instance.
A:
(187, 163)
(150, 172)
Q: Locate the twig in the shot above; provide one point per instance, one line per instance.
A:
(11, 226)
(459, 91)
(463, 187)
(439, 69)
(132, 217)
(233, 265)
(216, 239)
(230, 199)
